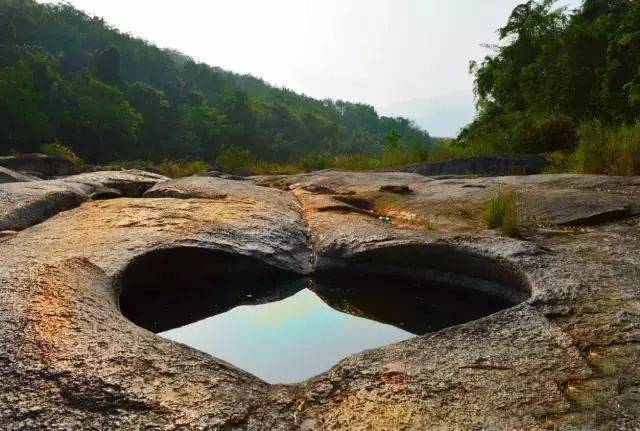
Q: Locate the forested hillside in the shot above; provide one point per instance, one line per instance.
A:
(69, 78)
(563, 81)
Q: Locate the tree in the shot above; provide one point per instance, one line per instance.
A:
(197, 129)
(155, 109)
(93, 60)
(100, 125)
(554, 71)
(106, 65)
(26, 102)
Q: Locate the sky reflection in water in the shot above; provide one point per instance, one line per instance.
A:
(286, 341)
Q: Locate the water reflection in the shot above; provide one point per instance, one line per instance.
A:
(286, 341)
(280, 327)
(415, 305)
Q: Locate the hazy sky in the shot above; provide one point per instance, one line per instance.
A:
(375, 51)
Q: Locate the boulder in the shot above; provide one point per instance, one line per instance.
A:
(9, 176)
(39, 165)
(483, 166)
(28, 203)
(105, 193)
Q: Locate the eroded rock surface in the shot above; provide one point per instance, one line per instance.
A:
(526, 164)
(9, 176)
(566, 358)
(39, 165)
(24, 204)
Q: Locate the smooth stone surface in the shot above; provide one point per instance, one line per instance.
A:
(526, 164)
(39, 165)
(27, 203)
(566, 358)
(9, 176)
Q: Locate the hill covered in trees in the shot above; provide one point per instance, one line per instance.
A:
(69, 78)
(563, 81)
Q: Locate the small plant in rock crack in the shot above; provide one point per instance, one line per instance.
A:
(501, 212)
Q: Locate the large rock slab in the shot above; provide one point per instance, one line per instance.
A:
(27, 203)
(39, 165)
(566, 357)
(526, 164)
(455, 204)
(9, 176)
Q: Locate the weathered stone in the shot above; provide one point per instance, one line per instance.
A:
(398, 189)
(7, 233)
(39, 165)
(104, 193)
(484, 166)
(567, 357)
(25, 204)
(219, 174)
(9, 176)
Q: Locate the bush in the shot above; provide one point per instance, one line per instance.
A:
(517, 133)
(317, 161)
(607, 150)
(501, 212)
(59, 150)
(184, 169)
(235, 157)
(266, 168)
(171, 169)
(354, 162)
(399, 157)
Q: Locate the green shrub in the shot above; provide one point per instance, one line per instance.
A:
(315, 161)
(607, 150)
(399, 157)
(501, 212)
(260, 167)
(169, 168)
(517, 132)
(59, 150)
(235, 157)
(181, 169)
(354, 162)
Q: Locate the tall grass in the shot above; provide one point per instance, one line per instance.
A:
(58, 149)
(607, 150)
(501, 212)
(169, 168)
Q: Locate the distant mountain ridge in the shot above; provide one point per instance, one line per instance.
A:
(442, 116)
(71, 78)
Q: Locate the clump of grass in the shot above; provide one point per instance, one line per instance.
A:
(235, 157)
(59, 150)
(168, 168)
(354, 162)
(501, 212)
(428, 224)
(184, 169)
(260, 167)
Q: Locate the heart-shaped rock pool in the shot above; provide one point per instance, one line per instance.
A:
(285, 328)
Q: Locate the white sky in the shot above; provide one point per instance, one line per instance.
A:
(375, 51)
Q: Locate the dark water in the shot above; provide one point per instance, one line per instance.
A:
(288, 331)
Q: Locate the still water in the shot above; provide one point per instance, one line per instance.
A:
(288, 340)
(280, 327)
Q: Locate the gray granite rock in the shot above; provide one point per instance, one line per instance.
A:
(27, 203)
(9, 176)
(526, 164)
(39, 165)
(566, 357)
